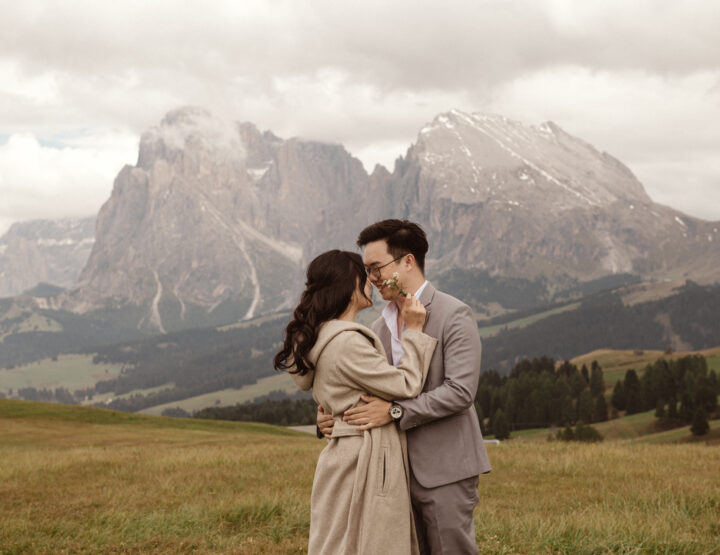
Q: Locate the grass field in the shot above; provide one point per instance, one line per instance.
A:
(255, 321)
(106, 397)
(487, 331)
(638, 427)
(69, 371)
(77, 479)
(33, 322)
(280, 381)
(647, 292)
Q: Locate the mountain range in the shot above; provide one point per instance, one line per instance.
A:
(217, 220)
(44, 251)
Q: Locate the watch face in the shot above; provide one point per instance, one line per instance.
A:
(396, 412)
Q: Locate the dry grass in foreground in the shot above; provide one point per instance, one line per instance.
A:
(74, 479)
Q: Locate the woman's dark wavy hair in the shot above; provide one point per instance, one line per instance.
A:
(331, 281)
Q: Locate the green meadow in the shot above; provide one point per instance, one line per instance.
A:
(69, 371)
(87, 480)
(31, 322)
(487, 331)
(278, 382)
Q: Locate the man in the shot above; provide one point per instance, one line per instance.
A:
(445, 446)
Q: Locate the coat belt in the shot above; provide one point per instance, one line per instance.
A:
(343, 429)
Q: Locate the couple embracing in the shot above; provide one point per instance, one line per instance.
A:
(399, 473)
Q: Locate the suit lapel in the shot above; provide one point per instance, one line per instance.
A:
(426, 298)
(386, 340)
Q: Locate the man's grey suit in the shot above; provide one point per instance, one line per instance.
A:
(445, 446)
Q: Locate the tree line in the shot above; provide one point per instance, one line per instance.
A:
(281, 412)
(682, 391)
(539, 394)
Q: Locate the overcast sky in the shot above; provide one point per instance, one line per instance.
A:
(80, 81)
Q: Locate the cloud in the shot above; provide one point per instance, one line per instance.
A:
(45, 182)
(656, 125)
(633, 78)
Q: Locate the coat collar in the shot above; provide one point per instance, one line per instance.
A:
(326, 333)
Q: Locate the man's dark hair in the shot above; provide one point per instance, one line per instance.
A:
(402, 237)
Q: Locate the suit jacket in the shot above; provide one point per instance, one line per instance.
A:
(443, 433)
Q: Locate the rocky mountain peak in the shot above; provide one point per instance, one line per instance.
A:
(218, 219)
(215, 222)
(480, 158)
(190, 128)
(51, 251)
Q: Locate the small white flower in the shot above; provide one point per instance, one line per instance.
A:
(394, 284)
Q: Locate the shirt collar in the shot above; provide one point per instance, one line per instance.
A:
(419, 291)
(390, 311)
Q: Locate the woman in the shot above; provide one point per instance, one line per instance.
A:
(360, 501)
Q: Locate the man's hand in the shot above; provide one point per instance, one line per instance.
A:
(373, 415)
(325, 422)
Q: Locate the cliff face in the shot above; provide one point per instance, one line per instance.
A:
(217, 220)
(51, 251)
(534, 201)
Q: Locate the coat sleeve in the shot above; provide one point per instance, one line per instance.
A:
(461, 360)
(362, 364)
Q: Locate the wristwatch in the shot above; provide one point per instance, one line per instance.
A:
(396, 412)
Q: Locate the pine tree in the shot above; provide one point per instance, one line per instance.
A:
(633, 393)
(618, 396)
(500, 425)
(687, 408)
(567, 414)
(577, 384)
(585, 374)
(481, 418)
(713, 377)
(660, 409)
(672, 410)
(700, 424)
(597, 382)
(601, 410)
(705, 395)
(631, 379)
(585, 407)
(483, 397)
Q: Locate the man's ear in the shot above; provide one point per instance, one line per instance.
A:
(410, 261)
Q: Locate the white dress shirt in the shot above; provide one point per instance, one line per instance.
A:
(390, 314)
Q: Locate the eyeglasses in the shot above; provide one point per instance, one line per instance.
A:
(375, 270)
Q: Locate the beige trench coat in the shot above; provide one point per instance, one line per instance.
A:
(360, 501)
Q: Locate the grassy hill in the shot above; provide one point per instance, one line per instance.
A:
(81, 479)
(641, 427)
(228, 397)
(616, 362)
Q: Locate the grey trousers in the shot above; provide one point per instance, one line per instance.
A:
(444, 517)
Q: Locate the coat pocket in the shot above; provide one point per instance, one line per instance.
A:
(383, 470)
